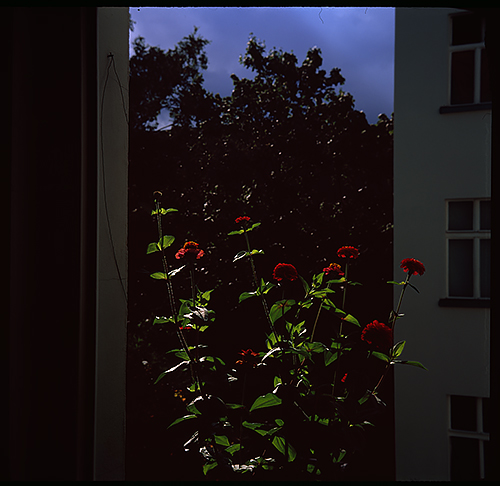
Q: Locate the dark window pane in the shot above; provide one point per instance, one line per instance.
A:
(460, 255)
(485, 215)
(464, 459)
(485, 78)
(485, 267)
(489, 465)
(486, 414)
(462, 77)
(466, 29)
(460, 215)
(463, 413)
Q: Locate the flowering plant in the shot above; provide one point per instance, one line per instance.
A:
(263, 412)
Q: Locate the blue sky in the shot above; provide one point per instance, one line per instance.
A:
(358, 40)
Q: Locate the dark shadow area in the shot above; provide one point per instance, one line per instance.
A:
(289, 151)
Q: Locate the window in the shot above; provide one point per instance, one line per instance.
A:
(468, 247)
(469, 77)
(468, 431)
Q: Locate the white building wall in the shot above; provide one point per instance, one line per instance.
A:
(436, 157)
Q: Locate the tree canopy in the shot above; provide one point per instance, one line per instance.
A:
(286, 148)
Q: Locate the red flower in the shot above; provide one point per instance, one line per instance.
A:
(412, 266)
(344, 378)
(242, 219)
(378, 335)
(190, 251)
(334, 268)
(348, 252)
(249, 358)
(285, 271)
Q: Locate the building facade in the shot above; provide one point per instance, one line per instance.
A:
(442, 217)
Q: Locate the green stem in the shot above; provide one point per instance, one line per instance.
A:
(256, 284)
(317, 316)
(392, 325)
(343, 295)
(171, 298)
(392, 322)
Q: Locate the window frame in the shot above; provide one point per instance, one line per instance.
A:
(476, 234)
(479, 434)
(478, 48)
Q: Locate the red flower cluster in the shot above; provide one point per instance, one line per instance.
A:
(285, 271)
(412, 266)
(378, 335)
(335, 269)
(242, 219)
(348, 252)
(249, 358)
(190, 251)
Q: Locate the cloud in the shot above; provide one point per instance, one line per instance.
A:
(359, 41)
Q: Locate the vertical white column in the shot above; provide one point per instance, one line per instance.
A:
(111, 285)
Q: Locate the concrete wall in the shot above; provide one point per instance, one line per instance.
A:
(436, 157)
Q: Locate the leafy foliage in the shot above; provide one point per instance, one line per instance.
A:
(269, 410)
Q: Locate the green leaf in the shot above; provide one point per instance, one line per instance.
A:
(395, 283)
(182, 364)
(321, 294)
(329, 357)
(351, 319)
(280, 308)
(237, 232)
(252, 425)
(413, 287)
(158, 276)
(182, 419)
(234, 406)
(272, 339)
(272, 351)
(265, 287)
(246, 295)
(175, 271)
(166, 241)
(411, 363)
(152, 247)
(398, 349)
(233, 448)
(255, 225)
(163, 211)
(318, 279)
(221, 440)
(239, 255)
(365, 397)
(268, 400)
(314, 347)
(162, 320)
(208, 466)
(305, 285)
(284, 447)
(243, 254)
(381, 356)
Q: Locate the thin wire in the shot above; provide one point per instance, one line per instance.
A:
(103, 171)
(121, 87)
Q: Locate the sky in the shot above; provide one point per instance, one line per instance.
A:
(358, 40)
